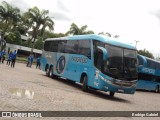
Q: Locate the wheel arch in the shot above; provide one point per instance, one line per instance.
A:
(82, 75)
(46, 67)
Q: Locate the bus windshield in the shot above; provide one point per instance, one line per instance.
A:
(121, 63)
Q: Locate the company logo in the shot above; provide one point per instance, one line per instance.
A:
(149, 70)
(60, 64)
(6, 114)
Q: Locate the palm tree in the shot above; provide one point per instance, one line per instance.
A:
(75, 30)
(23, 25)
(116, 36)
(9, 16)
(107, 34)
(47, 22)
(39, 21)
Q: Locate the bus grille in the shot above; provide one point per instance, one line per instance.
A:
(124, 83)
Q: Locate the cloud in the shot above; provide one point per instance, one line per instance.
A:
(156, 13)
(60, 16)
(22, 5)
(62, 7)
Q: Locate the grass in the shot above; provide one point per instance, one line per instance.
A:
(22, 59)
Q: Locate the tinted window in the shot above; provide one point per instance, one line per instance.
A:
(147, 77)
(158, 66)
(61, 46)
(151, 64)
(130, 59)
(71, 47)
(54, 46)
(130, 63)
(84, 48)
(140, 60)
(95, 44)
(51, 46)
(114, 63)
(47, 45)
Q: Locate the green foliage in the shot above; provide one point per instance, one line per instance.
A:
(39, 44)
(27, 43)
(146, 53)
(108, 34)
(9, 17)
(48, 34)
(75, 30)
(39, 21)
(14, 38)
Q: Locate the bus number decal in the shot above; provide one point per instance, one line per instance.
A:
(148, 70)
(80, 59)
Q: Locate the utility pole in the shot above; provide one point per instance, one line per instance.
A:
(136, 43)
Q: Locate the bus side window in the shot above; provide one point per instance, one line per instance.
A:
(47, 45)
(71, 47)
(61, 46)
(85, 48)
(54, 46)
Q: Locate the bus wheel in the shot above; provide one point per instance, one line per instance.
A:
(47, 72)
(51, 72)
(84, 86)
(157, 89)
(111, 94)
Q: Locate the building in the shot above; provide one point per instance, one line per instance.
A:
(21, 49)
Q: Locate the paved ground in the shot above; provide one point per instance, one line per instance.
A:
(28, 89)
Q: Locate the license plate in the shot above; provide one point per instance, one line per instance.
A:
(120, 90)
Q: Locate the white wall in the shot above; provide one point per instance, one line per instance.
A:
(18, 47)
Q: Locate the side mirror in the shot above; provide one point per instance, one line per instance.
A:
(104, 51)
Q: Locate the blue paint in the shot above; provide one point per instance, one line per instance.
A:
(75, 65)
(145, 68)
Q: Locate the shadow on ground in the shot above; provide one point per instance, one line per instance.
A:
(90, 91)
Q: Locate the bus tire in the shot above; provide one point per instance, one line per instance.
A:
(84, 81)
(157, 89)
(111, 94)
(50, 72)
(47, 72)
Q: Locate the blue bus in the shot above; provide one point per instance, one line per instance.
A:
(148, 74)
(94, 61)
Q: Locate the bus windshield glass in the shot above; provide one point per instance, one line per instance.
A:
(121, 63)
(130, 63)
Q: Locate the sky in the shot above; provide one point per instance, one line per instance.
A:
(132, 20)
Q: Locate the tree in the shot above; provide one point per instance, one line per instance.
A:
(48, 34)
(146, 53)
(116, 36)
(39, 43)
(9, 16)
(14, 38)
(75, 30)
(39, 20)
(23, 25)
(108, 34)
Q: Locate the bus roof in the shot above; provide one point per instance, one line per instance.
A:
(147, 58)
(101, 38)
